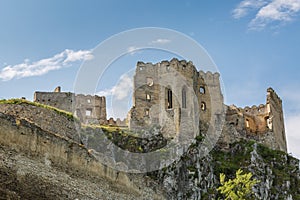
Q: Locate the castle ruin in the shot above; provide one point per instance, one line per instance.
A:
(175, 96)
(89, 109)
(169, 93)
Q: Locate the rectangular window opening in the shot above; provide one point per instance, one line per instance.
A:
(88, 112)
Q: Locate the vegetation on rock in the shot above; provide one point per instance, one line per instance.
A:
(239, 188)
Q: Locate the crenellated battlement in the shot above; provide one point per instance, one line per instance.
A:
(186, 68)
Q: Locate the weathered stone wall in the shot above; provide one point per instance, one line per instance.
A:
(60, 100)
(276, 119)
(47, 119)
(263, 123)
(56, 153)
(89, 109)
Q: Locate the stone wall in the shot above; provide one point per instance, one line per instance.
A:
(49, 120)
(118, 122)
(60, 100)
(263, 123)
(89, 109)
(276, 119)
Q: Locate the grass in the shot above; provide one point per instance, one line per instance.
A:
(69, 115)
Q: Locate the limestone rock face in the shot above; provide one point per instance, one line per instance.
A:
(37, 164)
(193, 177)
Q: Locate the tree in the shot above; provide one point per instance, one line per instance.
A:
(239, 188)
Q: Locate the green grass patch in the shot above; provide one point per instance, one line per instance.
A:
(69, 115)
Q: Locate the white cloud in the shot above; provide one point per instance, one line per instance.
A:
(81, 55)
(291, 99)
(267, 11)
(160, 41)
(41, 67)
(132, 50)
(120, 91)
(246, 6)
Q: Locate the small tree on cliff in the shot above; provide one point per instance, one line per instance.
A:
(240, 188)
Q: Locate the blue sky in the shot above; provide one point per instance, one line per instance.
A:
(254, 43)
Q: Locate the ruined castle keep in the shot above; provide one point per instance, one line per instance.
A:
(173, 94)
(89, 109)
(169, 93)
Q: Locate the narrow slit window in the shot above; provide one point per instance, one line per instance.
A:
(148, 97)
(183, 98)
(147, 112)
(169, 102)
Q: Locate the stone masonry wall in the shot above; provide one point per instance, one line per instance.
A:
(89, 109)
(47, 119)
(263, 123)
(60, 100)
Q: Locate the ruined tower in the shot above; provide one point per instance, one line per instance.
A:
(89, 109)
(174, 95)
(263, 123)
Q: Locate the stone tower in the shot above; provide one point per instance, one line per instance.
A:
(174, 95)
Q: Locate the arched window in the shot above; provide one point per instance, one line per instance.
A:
(183, 96)
(202, 90)
(203, 106)
(247, 123)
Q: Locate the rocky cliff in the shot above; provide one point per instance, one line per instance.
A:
(40, 164)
